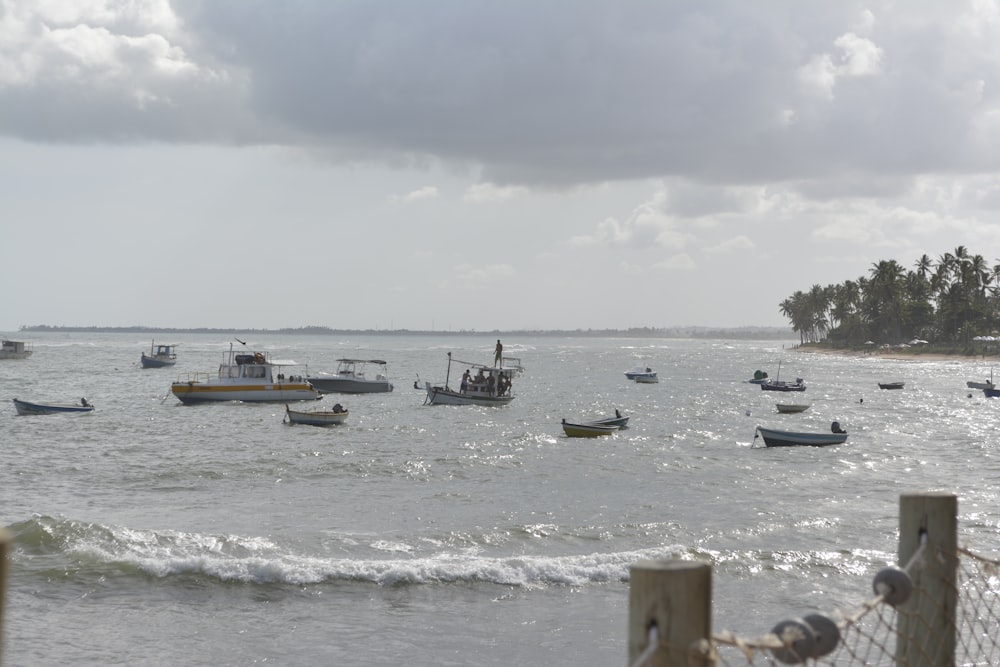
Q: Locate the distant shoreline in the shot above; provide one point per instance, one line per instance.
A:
(735, 333)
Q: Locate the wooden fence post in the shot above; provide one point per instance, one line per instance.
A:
(676, 596)
(926, 622)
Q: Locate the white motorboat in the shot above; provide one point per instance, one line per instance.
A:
(351, 378)
(245, 376)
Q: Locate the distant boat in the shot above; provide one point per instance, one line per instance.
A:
(780, 385)
(336, 415)
(26, 408)
(638, 370)
(775, 438)
(789, 408)
(160, 356)
(351, 378)
(15, 349)
(890, 385)
(590, 430)
(988, 384)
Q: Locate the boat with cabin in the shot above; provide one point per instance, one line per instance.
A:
(351, 378)
(28, 408)
(15, 349)
(891, 385)
(246, 376)
(491, 386)
(160, 356)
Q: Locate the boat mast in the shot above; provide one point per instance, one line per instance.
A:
(448, 372)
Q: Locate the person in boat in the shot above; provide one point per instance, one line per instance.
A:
(84, 403)
(491, 385)
(498, 354)
(835, 428)
(618, 415)
(466, 377)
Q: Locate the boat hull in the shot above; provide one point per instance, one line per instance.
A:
(317, 418)
(206, 392)
(791, 408)
(26, 408)
(589, 430)
(775, 438)
(335, 385)
(646, 378)
(445, 396)
(781, 386)
(890, 385)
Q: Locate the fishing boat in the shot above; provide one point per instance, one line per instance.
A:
(791, 408)
(351, 378)
(777, 384)
(26, 408)
(336, 415)
(890, 385)
(245, 376)
(160, 356)
(775, 438)
(590, 430)
(491, 386)
(15, 349)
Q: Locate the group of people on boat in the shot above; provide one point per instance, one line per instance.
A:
(494, 384)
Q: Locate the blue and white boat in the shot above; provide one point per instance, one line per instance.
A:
(160, 356)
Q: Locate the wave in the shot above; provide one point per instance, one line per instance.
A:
(44, 546)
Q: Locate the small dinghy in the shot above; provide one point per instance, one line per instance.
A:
(27, 408)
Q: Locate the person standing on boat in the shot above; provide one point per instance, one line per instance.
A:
(466, 377)
(498, 355)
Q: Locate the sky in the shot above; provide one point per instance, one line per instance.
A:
(483, 164)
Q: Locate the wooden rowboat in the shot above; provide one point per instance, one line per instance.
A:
(587, 430)
(337, 415)
(789, 408)
(26, 408)
(775, 438)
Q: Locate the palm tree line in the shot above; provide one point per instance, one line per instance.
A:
(947, 301)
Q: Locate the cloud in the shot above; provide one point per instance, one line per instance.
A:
(713, 92)
(490, 192)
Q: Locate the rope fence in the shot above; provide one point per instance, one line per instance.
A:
(940, 609)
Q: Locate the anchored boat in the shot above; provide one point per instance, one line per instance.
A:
(245, 376)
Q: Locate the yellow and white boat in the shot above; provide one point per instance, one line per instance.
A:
(246, 376)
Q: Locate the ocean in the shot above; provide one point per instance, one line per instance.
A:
(153, 533)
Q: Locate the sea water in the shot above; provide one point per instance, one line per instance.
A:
(153, 533)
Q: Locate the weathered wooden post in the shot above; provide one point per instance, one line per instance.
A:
(926, 621)
(676, 597)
